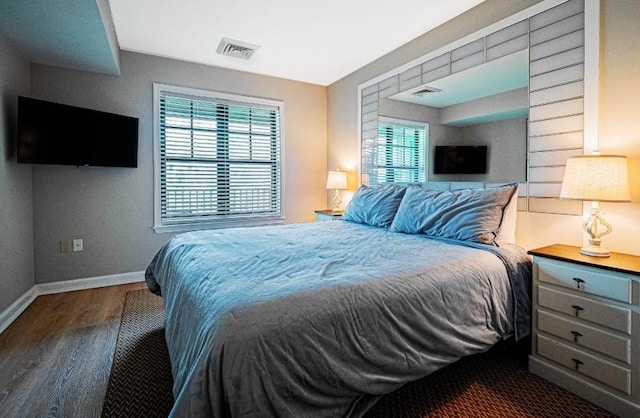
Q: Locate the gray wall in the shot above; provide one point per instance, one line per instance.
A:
(16, 197)
(112, 208)
(343, 94)
(506, 155)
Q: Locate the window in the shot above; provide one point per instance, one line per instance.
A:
(398, 153)
(217, 159)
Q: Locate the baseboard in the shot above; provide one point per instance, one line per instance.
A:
(89, 283)
(16, 308)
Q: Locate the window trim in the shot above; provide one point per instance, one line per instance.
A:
(405, 122)
(158, 226)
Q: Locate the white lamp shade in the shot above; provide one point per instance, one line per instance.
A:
(337, 180)
(603, 178)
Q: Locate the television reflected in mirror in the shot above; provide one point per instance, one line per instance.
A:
(456, 159)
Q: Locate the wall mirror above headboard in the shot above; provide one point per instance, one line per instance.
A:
(517, 87)
(486, 105)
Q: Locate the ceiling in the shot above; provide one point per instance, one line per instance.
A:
(318, 42)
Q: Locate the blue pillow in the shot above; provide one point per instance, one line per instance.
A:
(465, 215)
(375, 206)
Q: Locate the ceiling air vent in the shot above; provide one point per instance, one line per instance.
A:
(426, 90)
(236, 49)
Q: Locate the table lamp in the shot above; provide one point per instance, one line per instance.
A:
(337, 180)
(596, 178)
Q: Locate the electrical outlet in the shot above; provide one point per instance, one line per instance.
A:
(65, 246)
(78, 245)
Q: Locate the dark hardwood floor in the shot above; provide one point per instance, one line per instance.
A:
(56, 357)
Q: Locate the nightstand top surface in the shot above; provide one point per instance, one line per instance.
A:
(625, 263)
(330, 212)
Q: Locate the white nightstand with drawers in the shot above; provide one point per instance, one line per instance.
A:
(586, 325)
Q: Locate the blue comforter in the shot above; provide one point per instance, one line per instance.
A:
(321, 319)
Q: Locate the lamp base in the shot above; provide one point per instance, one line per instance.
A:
(591, 227)
(595, 251)
(337, 201)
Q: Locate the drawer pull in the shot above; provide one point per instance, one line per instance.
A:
(578, 281)
(577, 363)
(578, 308)
(576, 334)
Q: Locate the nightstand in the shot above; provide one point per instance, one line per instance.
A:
(586, 325)
(328, 215)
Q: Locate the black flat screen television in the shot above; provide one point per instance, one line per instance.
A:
(53, 133)
(454, 159)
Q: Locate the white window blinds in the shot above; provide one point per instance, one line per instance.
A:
(398, 154)
(219, 159)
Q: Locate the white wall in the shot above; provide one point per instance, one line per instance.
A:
(619, 121)
(343, 136)
(618, 133)
(619, 125)
(16, 198)
(111, 209)
(343, 94)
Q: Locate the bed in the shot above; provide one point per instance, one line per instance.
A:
(322, 319)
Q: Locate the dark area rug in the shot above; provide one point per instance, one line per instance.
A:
(140, 384)
(493, 384)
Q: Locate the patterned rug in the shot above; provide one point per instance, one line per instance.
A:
(493, 384)
(140, 384)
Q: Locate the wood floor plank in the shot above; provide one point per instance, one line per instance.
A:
(55, 359)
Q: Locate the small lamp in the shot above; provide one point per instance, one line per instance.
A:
(337, 180)
(598, 178)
